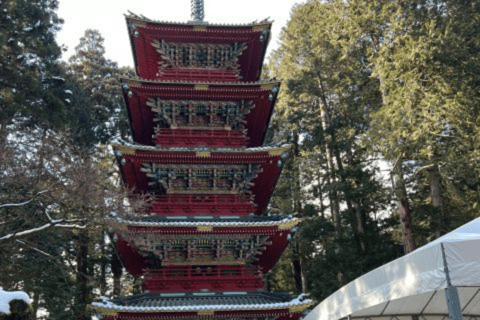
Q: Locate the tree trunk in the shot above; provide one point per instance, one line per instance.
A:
(302, 269)
(297, 204)
(320, 196)
(103, 264)
(297, 207)
(117, 270)
(333, 197)
(297, 268)
(82, 279)
(333, 194)
(400, 191)
(352, 205)
(82, 294)
(436, 190)
(357, 219)
(297, 272)
(34, 304)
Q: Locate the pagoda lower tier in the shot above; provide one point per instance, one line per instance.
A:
(183, 114)
(181, 176)
(198, 253)
(205, 305)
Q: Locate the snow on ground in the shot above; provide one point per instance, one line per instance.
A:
(6, 297)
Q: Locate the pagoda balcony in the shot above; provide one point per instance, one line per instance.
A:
(205, 305)
(200, 137)
(201, 278)
(156, 243)
(206, 114)
(208, 204)
(198, 52)
(200, 172)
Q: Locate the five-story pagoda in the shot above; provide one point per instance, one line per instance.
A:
(198, 115)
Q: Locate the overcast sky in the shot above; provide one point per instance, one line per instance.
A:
(107, 17)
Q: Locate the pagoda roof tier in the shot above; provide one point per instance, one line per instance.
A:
(204, 304)
(199, 114)
(203, 171)
(181, 51)
(151, 245)
(252, 24)
(201, 222)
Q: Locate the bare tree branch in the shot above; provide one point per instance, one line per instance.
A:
(33, 248)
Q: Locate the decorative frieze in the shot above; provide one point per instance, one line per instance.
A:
(199, 55)
(223, 115)
(188, 179)
(163, 250)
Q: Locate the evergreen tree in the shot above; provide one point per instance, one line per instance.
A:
(424, 55)
(388, 79)
(30, 76)
(98, 78)
(326, 104)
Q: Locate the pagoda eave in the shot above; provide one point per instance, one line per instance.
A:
(138, 237)
(140, 20)
(214, 305)
(266, 163)
(200, 152)
(143, 34)
(202, 226)
(141, 94)
(279, 314)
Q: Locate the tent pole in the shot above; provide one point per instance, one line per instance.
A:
(451, 293)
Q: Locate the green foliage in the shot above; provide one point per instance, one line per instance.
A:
(51, 174)
(19, 310)
(325, 109)
(281, 277)
(29, 69)
(376, 79)
(101, 116)
(428, 66)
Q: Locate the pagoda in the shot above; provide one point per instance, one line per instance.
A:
(198, 114)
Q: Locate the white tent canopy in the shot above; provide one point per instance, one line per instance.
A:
(414, 285)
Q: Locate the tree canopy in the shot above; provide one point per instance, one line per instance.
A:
(380, 99)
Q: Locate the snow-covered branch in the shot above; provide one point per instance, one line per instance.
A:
(10, 205)
(53, 223)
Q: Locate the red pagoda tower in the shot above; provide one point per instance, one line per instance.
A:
(198, 114)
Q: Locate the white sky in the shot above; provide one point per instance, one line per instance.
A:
(107, 16)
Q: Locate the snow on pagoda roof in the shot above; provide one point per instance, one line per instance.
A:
(128, 148)
(262, 82)
(202, 301)
(285, 223)
(263, 23)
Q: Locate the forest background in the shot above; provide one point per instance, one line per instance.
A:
(380, 100)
